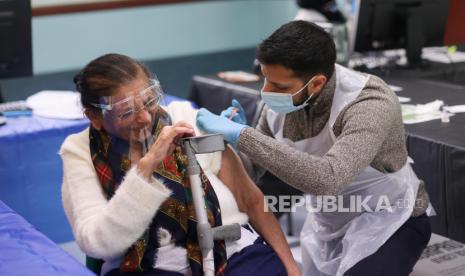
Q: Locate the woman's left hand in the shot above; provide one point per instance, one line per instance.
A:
(164, 145)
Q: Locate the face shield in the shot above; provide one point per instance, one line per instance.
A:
(129, 117)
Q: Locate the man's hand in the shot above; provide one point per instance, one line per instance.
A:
(235, 113)
(212, 123)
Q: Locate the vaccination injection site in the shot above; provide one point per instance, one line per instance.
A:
(232, 137)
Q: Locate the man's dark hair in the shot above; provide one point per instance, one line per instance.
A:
(301, 46)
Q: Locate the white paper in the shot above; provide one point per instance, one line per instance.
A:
(442, 257)
(455, 108)
(56, 105)
(396, 88)
(444, 56)
(421, 118)
(404, 99)
(412, 114)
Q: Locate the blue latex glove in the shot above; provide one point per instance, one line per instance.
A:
(212, 123)
(239, 117)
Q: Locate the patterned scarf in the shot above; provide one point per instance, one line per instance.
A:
(176, 214)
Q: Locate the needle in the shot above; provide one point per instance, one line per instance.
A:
(233, 113)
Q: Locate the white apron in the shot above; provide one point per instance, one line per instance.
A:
(332, 242)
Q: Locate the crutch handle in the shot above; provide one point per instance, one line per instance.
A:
(230, 232)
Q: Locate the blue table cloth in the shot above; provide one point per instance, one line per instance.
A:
(26, 251)
(31, 170)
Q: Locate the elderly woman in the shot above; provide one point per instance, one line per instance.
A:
(126, 192)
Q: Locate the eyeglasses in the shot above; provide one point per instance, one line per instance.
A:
(126, 107)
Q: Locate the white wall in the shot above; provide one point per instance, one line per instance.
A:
(69, 41)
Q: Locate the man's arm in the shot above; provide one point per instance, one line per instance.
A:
(254, 170)
(365, 126)
(250, 200)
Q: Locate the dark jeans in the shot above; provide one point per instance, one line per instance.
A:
(258, 259)
(399, 254)
(155, 272)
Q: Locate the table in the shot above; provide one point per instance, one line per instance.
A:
(439, 153)
(452, 73)
(31, 170)
(437, 148)
(26, 251)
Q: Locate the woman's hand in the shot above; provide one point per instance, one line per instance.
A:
(163, 146)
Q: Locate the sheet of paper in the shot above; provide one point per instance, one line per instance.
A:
(442, 257)
(420, 118)
(396, 88)
(444, 57)
(455, 108)
(404, 99)
(413, 114)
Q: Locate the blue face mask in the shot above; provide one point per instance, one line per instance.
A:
(282, 102)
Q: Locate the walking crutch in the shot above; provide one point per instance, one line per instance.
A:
(206, 234)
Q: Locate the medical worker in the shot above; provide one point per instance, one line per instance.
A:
(337, 135)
